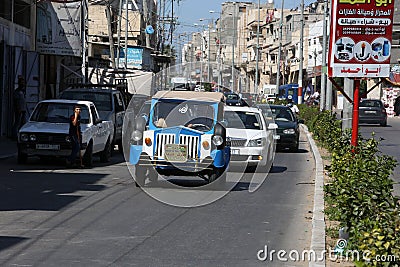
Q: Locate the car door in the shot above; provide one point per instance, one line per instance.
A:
(98, 131)
(119, 108)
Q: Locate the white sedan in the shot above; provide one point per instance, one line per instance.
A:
(251, 138)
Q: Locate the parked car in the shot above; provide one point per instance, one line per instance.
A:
(109, 102)
(250, 137)
(372, 111)
(184, 137)
(288, 125)
(47, 132)
(233, 99)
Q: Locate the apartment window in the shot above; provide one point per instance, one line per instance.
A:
(5, 10)
(22, 13)
(315, 40)
(309, 42)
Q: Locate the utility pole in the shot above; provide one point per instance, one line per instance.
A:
(233, 46)
(110, 36)
(323, 62)
(258, 49)
(126, 35)
(84, 20)
(300, 82)
(146, 20)
(119, 31)
(324, 85)
(279, 51)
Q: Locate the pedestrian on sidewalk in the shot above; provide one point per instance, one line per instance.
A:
(19, 102)
(75, 135)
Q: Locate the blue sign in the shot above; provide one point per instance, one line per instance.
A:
(134, 57)
(149, 30)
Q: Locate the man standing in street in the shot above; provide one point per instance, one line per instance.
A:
(19, 106)
(75, 135)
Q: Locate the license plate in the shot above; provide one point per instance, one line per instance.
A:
(235, 151)
(47, 146)
(175, 152)
(370, 112)
(277, 137)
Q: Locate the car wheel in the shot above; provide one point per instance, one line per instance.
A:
(105, 155)
(22, 158)
(384, 124)
(88, 157)
(217, 178)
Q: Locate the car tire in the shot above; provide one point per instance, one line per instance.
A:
(88, 157)
(217, 179)
(384, 124)
(295, 147)
(22, 158)
(105, 155)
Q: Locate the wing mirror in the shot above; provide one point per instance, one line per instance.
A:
(301, 121)
(272, 126)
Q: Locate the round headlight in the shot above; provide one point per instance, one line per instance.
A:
(32, 137)
(24, 137)
(137, 135)
(68, 138)
(217, 140)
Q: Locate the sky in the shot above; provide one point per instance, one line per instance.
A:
(190, 11)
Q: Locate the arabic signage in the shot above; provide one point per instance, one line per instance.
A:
(362, 37)
(59, 27)
(134, 57)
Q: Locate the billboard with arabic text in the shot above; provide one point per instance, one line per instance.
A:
(361, 39)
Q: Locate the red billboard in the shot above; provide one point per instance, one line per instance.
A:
(361, 38)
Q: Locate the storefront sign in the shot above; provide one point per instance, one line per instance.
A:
(362, 38)
(59, 27)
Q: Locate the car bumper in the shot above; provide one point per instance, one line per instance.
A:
(377, 120)
(249, 155)
(287, 140)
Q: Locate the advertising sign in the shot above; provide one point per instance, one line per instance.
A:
(361, 38)
(58, 29)
(134, 57)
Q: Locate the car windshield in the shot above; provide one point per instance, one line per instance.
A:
(282, 114)
(170, 113)
(232, 97)
(371, 104)
(102, 101)
(58, 113)
(243, 120)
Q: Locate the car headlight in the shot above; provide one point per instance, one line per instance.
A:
(137, 135)
(24, 137)
(32, 137)
(255, 142)
(289, 131)
(217, 140)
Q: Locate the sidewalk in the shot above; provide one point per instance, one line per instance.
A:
(8, 148)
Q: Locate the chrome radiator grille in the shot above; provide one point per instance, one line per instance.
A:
(161, 141)
(192, 143)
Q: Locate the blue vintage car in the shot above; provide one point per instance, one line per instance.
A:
(183, 135)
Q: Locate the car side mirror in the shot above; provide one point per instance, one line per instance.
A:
(272, 126)
(98, 121)
(301, 121)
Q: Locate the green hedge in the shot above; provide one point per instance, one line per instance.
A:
(359, 194)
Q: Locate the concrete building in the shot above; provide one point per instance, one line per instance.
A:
(17, 57)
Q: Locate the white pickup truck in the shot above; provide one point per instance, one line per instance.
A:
(46, 132)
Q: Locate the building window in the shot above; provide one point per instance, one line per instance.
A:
(22, 13)
(5, 10)
(315, 40)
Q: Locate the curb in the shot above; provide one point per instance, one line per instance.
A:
(318, 220)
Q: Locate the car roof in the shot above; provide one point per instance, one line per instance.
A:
(190, 95)
(242, 108)
(66, 101)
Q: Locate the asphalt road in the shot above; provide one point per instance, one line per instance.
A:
(51, 216)
(390, 145)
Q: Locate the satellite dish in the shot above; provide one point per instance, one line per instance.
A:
(149, 29)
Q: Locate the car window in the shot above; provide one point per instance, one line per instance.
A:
(243, 120)
(282, 114)
(94, 114)
(102, 100)
(58, 113)
(118, 104)
(371, 103)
